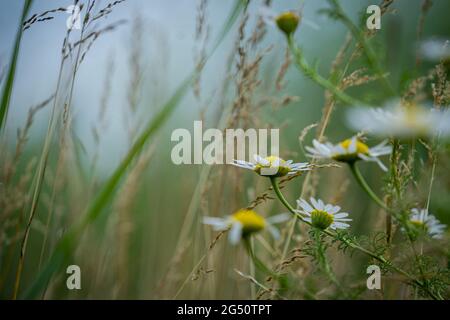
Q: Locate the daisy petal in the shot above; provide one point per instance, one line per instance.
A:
(279, 218)
(304, 205)
(274, 231)
(235, 233)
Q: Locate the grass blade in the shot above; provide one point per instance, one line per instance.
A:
(9, 82)
(65, 247)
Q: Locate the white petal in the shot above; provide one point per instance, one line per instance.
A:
(235, 233)
(274, 231)
(343, 219)
(341, 215)
(304, 205)
(321, 204)
(261, 161)
(341, 225)
(218, 224)
(381, 165)
(279, 218)
(338, 149)
(314, 203)
(243, 164)
(334, 210)
(312, 150)
(352, 146)
(299, 165)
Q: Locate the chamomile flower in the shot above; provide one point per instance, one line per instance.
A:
(321, 215)
(423, 221)
(272, 166)
(349, 150)
(401, 121)
(434, 49)
(245, 222)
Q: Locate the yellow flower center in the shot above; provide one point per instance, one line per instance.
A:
(287, 22)
(360, 146)
(250, 220)
(321, 219)
(419, 225)
(347, 157)
(276, 168)
(414, 116)
(418, 228)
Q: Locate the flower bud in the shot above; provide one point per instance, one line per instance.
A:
(287, 22)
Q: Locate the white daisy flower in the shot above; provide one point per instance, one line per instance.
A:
(244, 222)
(322, 215)
(272, 166)
(423, 221)
(349, 150)
(434, 49)
(401, 121)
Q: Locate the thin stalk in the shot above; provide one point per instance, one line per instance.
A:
(363, 184)
(63, 137)
(367, 48)
(257, 262)
(9, 83)
(66, 245)
(353, 245)
(311, 73)
(43, 166)
(324, 264)
(252, 273)
(322, 125)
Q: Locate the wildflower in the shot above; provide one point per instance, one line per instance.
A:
(401, 121)
(425, 222)
(287, 22)
(349, 150)
(322, 215)
(434, 49)
(272, 166)
(244, 222)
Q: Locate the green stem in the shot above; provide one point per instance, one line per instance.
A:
(362, 182)
(353, 245)
(324, 264)
(358, 34)
(11, 73)
(280, 196)
(311, 73)
(257, 262)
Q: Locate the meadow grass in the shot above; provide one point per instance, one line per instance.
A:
(139, 232)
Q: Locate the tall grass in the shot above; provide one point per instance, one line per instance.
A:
(137, 231)
(11, 73)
